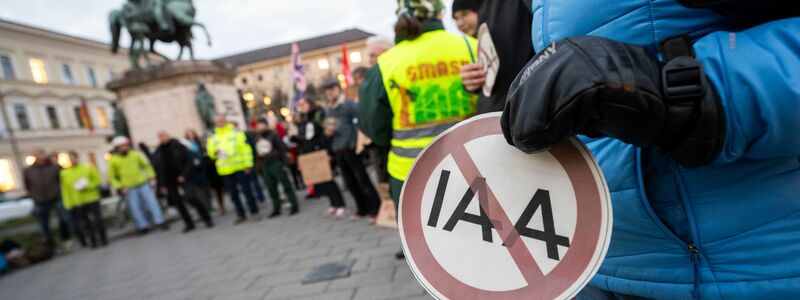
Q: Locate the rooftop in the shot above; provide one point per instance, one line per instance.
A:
(314, 43)
(25, 28)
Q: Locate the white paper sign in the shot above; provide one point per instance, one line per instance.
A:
(487, 55)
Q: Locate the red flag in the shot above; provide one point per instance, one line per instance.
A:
(85, 119)
(348, 78)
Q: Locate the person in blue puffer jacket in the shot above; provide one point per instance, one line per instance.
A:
(692, 110)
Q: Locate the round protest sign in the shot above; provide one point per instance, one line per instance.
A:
(480, 219)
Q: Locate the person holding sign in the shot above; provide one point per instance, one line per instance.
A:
(414, 92)
(309, 139)
(271, 160)
(499, 51)
(233, 157)
(690, 108)
(81, 196)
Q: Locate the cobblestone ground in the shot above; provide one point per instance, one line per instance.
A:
(265, 259)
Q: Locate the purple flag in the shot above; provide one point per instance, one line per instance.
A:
(298, 75)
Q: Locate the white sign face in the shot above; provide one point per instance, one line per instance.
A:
(263, 147)
(487, 55)
(481, 219)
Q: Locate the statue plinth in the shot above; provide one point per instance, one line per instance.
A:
(163, 98)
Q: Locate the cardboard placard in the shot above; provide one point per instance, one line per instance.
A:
(315, 167)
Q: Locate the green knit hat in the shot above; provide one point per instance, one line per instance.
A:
(420, 9)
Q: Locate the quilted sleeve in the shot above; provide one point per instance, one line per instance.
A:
(756, 73)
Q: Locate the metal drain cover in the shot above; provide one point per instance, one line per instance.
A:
(330, 271)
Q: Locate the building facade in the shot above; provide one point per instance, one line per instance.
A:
(264, 76)
(53, 98)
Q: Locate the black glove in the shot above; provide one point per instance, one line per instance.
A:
(599, 87)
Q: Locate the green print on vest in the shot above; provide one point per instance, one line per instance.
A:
(431, 102)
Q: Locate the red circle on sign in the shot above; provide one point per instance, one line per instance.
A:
(584, 245)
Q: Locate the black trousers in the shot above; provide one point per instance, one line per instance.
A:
(331, 190)
(358, 182)
(89, 221)
(175, 197)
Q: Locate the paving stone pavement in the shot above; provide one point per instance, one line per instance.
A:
(265, 259)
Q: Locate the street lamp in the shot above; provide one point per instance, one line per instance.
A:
(249, 97)
(285, 112)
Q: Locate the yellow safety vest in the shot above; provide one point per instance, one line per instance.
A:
(422, 78)
(230, 149)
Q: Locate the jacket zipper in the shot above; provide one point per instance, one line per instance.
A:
(693, 249)
(693, 253)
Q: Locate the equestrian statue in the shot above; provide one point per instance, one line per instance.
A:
(154, 20)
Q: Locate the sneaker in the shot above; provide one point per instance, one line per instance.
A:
(274, 214)
(340, 213)
(372, 219)
(164, 226)
(239, 221)
(331, 212)
(294, 211)
(188, 229)
(355, 217)
(255, 218)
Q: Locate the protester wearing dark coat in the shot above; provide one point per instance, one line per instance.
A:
(176, 169)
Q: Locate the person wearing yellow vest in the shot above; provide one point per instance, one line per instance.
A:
(131, 174)
(233, 157)
(81, 196)
(415, 92)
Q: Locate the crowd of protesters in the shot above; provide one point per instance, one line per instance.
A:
(713, 115)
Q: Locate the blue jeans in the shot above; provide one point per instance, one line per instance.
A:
(141, 200)
(232, 183)
(256, 186)
(42, 213)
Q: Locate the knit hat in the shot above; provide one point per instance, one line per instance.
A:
(119, 141)
(472, 5)
(420, 9)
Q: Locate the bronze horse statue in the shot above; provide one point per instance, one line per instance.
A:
(154, 20)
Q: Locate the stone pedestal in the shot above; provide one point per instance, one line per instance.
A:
(163, 98)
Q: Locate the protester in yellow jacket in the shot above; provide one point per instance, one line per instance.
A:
(131, 174)
(80, 194)
(234, 160)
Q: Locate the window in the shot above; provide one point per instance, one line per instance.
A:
(355, 57)
(7, 182)
(38, 70)
(22, 116)
(92, 159)
(323, 64)
(91, 76)
(66, 72)
(111, 76)
(102, 117)
(52, 115)
(62, 159)
(8, 68)
(260, 77)
(244, 80)
(79, 117)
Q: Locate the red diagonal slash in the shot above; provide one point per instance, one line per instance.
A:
(502, 224)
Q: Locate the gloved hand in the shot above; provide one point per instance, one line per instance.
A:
(598, 87)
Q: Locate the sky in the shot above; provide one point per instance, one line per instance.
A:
(235, 25)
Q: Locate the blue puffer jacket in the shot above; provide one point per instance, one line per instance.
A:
(742, 213)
